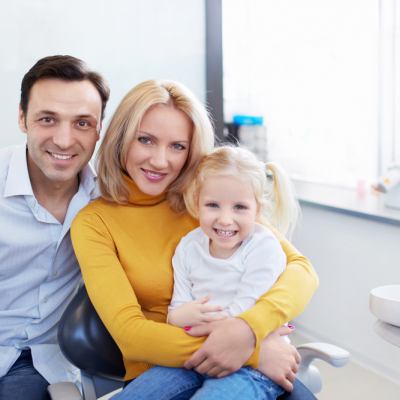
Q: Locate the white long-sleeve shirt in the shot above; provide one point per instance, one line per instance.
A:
(38, 268)
(235, 283)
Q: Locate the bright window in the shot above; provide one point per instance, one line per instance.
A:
(323, 75)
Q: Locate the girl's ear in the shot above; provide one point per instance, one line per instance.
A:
(196, 205)
(258, 214)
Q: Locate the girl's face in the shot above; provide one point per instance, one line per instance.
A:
(160, 149)
(227, 213)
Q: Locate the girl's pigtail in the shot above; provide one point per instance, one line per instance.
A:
(282, 206)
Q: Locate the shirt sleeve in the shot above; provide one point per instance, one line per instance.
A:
(114, 299)
(263, 261)
(287, 298)
(182, 286)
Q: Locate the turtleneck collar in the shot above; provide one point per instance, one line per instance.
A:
(137, 197)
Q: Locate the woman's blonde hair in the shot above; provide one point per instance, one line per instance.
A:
(124, 125)
(273, 190)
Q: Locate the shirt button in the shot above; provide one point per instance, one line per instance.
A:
(45, 299)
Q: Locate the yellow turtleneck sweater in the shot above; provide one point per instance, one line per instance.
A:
(125, 254)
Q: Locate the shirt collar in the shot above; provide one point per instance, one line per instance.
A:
(18, 182)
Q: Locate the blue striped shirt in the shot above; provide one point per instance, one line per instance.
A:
(38, 269)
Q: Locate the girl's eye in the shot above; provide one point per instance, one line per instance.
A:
(178, 146)
(144, 139)
(240, 207)
(211, 205)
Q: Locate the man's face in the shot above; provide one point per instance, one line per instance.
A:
(62, 124)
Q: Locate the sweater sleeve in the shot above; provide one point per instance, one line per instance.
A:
(287, 298)
(114, 299)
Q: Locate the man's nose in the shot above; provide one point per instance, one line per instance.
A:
(63, 136)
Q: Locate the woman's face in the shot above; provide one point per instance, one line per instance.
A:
(160, 149)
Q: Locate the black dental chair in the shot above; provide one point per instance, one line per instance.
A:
(86, 343)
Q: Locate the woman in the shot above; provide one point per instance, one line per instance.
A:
(125, 241)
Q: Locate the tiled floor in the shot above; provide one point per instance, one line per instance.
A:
(352, 382)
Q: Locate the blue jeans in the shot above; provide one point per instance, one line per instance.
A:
(23, 381)
(163, 383)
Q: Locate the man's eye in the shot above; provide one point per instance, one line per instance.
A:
(83, 124)
(144, 139)
(46, 120)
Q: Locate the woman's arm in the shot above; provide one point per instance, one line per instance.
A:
(139, 338)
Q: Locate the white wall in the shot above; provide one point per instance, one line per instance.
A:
(351, 256)
(126, 40)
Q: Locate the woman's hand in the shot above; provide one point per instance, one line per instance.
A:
(229, 345)
(278, 359)
(195, 313)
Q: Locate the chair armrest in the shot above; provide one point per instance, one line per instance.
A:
(309, 374)
(333, 355)
(64, 391)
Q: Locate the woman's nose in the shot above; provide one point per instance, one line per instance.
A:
(159, 158)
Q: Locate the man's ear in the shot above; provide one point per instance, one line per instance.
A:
(99, 130)
(22, 120)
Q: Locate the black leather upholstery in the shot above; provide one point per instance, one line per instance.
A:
(85, 341)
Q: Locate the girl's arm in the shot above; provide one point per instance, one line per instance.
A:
(184, 309)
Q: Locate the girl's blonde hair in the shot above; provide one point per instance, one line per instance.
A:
(124, 125)
(273, 190)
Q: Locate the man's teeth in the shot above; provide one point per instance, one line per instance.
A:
(61, 156)
(225, 233)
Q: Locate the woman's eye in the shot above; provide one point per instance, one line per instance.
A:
(144, 139)
(178, 146)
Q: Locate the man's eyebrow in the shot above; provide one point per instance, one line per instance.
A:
(87, 116)
(53, 113)
(47, 112)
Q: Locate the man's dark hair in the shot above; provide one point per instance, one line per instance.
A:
(67, 68)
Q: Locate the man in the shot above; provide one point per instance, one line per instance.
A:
(43, 185)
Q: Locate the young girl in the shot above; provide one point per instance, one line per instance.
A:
(223, 267)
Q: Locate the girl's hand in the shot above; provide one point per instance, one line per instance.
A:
(195, 313)
(279, 360)
(229, 345)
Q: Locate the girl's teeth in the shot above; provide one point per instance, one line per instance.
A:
(222, 232)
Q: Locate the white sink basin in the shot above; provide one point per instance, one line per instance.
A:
(384, 303)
